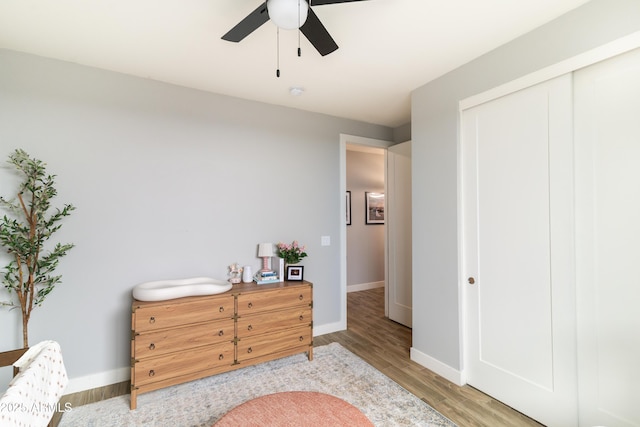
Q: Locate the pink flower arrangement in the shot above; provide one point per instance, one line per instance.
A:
(291, 253)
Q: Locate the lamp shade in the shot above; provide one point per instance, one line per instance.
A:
(265, 250)
(288, 14)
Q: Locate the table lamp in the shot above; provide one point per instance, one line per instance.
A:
(265, 251)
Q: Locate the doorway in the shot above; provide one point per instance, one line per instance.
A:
(370, 261)
(366, 227)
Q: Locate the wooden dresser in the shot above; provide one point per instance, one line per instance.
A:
(185, 339)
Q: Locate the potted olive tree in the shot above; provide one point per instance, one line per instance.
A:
(30, 223)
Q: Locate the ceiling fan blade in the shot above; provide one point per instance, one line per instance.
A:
(318, 35)
(321, 2)
(248, 25)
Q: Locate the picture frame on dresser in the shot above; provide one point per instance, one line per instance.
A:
(295, 273)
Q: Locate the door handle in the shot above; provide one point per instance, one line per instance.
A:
(471, 280)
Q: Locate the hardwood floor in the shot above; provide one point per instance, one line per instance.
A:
(89, 396)
(385, 345)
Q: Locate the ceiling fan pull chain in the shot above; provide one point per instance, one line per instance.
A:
(278, 52)
(299, 50)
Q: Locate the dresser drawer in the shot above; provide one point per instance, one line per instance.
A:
(177, 313)
(157, 343)
(273, 299)
(182, 363)
(273, 321)
(265, 344)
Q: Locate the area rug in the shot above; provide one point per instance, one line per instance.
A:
(295, 409)
(334, 371)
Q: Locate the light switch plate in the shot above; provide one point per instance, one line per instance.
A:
(325, 241)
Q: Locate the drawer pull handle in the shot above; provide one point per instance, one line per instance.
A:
(301, 297)
(220, 333)
(249, 350)
(152, 373)
(152, 320)
(152, 346)
(221, 357)
(301, 318)
(249, 328)
(301, 338)
(250, 305)
(221, 309)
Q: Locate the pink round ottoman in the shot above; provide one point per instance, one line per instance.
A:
(294, 408)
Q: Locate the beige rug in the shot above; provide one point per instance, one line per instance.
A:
(334, 371)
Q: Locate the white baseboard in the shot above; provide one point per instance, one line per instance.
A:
(364, 286)
(327, 329)
(101, 379)
(438, 367)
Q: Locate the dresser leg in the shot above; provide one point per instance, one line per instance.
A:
(134, 399)
(310, 353)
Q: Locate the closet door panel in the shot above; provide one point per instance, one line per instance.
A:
(518, 251)
(607, 126)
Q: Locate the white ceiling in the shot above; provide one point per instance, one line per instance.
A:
(387, 47)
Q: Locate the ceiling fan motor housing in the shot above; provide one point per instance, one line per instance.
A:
(288, 14)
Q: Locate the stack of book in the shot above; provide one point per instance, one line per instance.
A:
(264, 277)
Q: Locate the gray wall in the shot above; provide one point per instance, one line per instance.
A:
(365, 243)
(168, 183)
(436, 326)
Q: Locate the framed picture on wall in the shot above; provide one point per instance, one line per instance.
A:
(295, 272)
(348, 204)
(374, 207)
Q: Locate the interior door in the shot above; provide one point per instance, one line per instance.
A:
(516, 194)
(399, 258)
(607, 117)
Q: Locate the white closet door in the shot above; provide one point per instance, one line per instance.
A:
(607, 127)
(516, 165)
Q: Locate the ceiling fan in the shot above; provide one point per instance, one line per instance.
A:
(289, 14)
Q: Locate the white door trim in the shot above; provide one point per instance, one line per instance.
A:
(601, 53)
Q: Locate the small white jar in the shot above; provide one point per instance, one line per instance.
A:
(247, 275)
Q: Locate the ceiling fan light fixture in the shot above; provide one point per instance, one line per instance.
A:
(288, 14)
